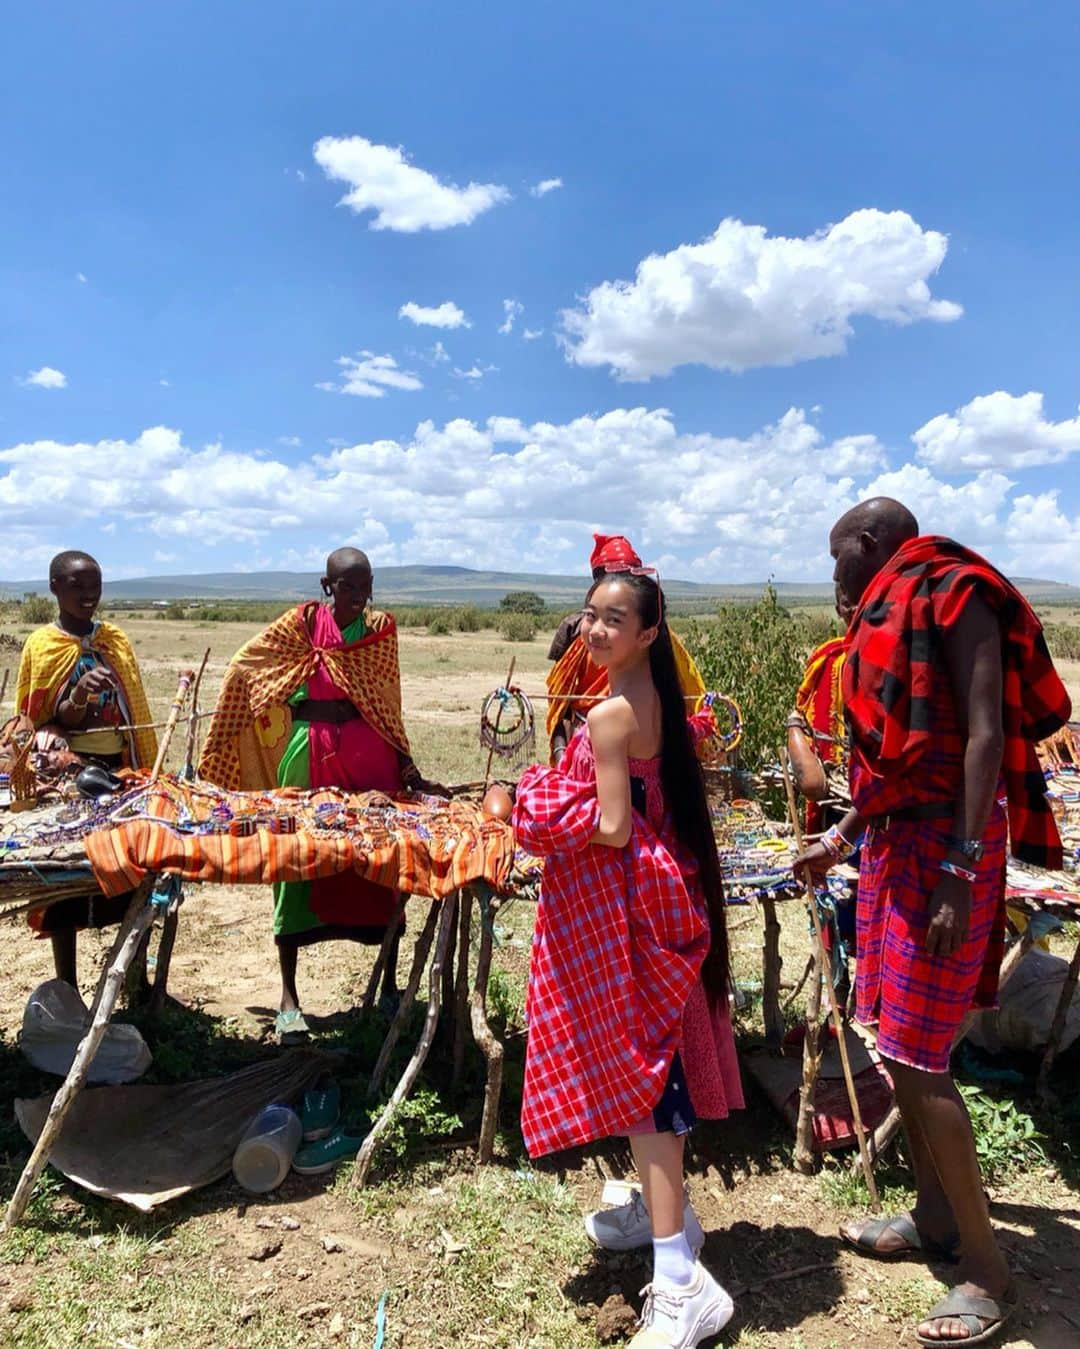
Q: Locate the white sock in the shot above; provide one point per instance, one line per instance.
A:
(673, 1260)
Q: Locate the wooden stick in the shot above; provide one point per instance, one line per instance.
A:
(490, 1046)
(364, 1157)
(772, 964)
(135, 925)
(834, 1006)
(193, 719)
(420, 955)
(397, 919)
(461, 985)
(805, 1157)
(4, 684)
(498, 718)
(182, 686)
(740, 1290)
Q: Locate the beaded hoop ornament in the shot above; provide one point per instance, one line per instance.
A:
(508, 726)
(724, 741)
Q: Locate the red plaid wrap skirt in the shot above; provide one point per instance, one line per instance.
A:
(919, 1001)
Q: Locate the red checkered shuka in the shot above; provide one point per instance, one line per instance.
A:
(619, 942)
(894, 659)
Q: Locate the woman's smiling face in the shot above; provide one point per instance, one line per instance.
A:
(611, 626)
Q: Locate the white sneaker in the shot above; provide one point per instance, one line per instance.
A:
(680, 1318)
(627, 1227)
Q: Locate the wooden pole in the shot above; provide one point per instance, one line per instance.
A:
(395, 924)
(4, 684)
(364, 1157)
(834, 1006)
(193, 719)
(461, 984)
(772, 965)
(498, 718)
(182, 686)
(490, 1046)
(135, 925)
(420, 955)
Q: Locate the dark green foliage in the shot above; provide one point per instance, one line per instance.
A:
(1063, 640)
(757, 654)
(523, 602)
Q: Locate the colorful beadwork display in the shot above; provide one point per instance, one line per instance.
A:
(508, 726)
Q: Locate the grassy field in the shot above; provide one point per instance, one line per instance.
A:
(494, 1257)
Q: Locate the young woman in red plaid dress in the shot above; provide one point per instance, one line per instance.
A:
(629, 1029)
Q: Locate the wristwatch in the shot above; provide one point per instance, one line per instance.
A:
(971, 848)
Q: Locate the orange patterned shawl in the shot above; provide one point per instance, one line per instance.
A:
(252, 721)
(820, 698)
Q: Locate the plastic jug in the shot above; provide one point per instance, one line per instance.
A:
(265, 1153)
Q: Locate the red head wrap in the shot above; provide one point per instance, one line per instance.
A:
(612, 548)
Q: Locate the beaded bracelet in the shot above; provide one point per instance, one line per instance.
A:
(836, 845)
(970, 876)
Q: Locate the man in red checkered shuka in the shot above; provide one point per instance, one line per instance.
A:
(947, 685)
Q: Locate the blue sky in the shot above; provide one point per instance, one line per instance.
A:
(203, 360)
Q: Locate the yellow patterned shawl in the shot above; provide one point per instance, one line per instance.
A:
(252, 721)
(48, 659)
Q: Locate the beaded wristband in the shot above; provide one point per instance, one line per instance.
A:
(970, 876)
(836, 845)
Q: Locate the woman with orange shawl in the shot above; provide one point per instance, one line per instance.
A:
(315, 701)
(575, 682)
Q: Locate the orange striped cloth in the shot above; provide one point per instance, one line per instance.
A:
(441, 847)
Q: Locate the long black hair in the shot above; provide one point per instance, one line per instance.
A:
(681, 776)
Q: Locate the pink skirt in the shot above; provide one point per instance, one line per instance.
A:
(709, 1061)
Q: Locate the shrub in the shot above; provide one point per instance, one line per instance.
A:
(757, 654)
(438, 627)
(1063, 640)
(37, 609)
(517, 627)
(523, 602)
(467, 618)
(175, 611)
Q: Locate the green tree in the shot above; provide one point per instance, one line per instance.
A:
(523, 602)
(757, 654)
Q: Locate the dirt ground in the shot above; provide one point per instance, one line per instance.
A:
(463, 1256)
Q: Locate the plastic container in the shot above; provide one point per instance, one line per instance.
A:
(5, 789)
(265, 1153)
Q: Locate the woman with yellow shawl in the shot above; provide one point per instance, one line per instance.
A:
(315, 701)
(79, 680)
(575, 682)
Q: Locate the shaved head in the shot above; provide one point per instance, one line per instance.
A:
(342, 560)
(863, 540)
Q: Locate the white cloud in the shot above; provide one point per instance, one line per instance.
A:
(545, 186)
(997, 430)
(402, 196)
(290, 442)
(512, 309)
(80, 277)
(531, 334)
(164, 383)
(45, 378)
(445, 315)
(475, 371)
(369, 376)
(439, 354)
(742, 299)
(502, 492)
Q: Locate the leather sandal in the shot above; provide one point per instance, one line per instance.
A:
(981, 1317)
(903, 1224)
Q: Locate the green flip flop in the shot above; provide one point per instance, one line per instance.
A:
(319, 1109)
(291, 1028)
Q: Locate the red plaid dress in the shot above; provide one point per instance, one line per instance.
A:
(620, 937)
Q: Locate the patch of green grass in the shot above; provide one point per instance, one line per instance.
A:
(906, 1301)
(844, 1189)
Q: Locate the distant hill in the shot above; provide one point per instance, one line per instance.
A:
(462, 585)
